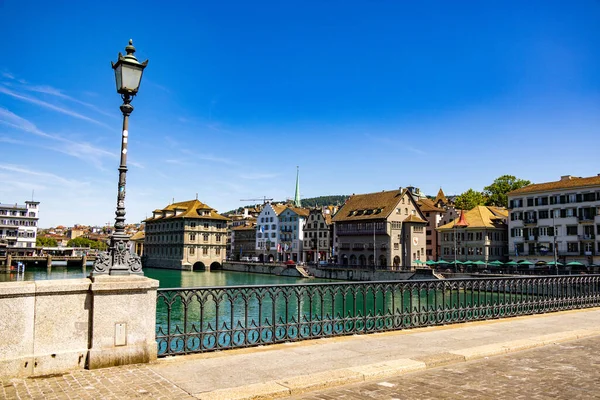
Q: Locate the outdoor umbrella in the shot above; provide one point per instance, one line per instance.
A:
(442, 262)
(457, 262)
(430, 262)
(511, 263)
(553, 263)
(479, 262)
(525, 262)
(574, 263)
(496, 262)
(418, 262)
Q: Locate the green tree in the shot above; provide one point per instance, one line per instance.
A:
(496, 192)
(43, 241)
(469, 199)
(84, 242)
(79, 242)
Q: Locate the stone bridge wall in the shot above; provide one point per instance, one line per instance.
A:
(55, 326)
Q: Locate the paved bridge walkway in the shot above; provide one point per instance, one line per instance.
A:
(543, 356)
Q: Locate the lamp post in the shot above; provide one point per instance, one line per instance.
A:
(118, 260)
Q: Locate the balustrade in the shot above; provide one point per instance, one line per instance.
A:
(194, 320)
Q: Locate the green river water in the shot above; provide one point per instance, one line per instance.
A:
(168, 278)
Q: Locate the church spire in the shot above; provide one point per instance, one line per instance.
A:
(297, 196)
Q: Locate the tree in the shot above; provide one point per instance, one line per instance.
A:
(79, 242)
(469, 199)
(496, 192)
(43, 241)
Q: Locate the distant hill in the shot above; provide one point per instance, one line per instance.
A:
(332, 200)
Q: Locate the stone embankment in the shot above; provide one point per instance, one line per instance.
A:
(336, 273)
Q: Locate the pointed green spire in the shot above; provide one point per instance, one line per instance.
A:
(297, 196)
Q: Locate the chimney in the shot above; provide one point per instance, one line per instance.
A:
(566, 177)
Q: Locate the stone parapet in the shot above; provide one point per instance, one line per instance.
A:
(56, 326)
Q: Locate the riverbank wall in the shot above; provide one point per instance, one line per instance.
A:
(270, 269)
(337, 273)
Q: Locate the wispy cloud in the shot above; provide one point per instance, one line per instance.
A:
(16, 169)
(49, 106)
(81, 150)
(11, 140)
(396, 143)
(208, 157)
(180, 162)
(8, 75)
(258, 176)
(416, 151)
(45, 89)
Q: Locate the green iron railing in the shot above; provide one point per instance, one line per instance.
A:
(192, 320)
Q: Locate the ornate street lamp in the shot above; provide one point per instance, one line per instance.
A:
(119, 260)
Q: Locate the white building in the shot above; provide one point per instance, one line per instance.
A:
(561, 216)
(267, 232)
(18, 228)
(291, 224)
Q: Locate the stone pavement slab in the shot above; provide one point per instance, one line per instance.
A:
(433, 346)
(567, 370)
(294, 368)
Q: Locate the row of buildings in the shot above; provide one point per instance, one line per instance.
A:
(397, 228)
(553, 221)
(400, 228)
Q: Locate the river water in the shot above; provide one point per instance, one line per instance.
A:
(168, 278)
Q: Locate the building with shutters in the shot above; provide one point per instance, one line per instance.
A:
(479, 234)
(187, 235)
(556, 219)
(18, 228)
(383, 229)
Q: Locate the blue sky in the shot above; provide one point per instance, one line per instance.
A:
(361, 95)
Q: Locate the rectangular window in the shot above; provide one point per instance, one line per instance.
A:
(206, 225)
(205, 237)
(572, 230)
(192, 251)
(573, 247)
(205, 251)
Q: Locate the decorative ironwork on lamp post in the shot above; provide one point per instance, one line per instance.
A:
(119, 260)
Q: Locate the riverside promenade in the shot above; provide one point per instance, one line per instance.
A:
(532, 357)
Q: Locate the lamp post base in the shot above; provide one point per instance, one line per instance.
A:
(118, 260)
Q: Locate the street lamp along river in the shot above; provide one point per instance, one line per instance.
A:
(119, 260)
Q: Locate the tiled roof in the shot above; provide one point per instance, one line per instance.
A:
(278, 208)
(244, 227)
(481, 217)
(414, 218)
(568, 182)
(139, 235)
(303, 212)
(190, 209)
(441, 196)
(427, 205)
(368, 206)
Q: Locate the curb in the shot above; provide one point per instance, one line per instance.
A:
(329, 379)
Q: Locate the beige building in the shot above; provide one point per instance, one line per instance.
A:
(561, 216)
(484, 238)
(384, 228)
(433, 215)
(188, 235)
